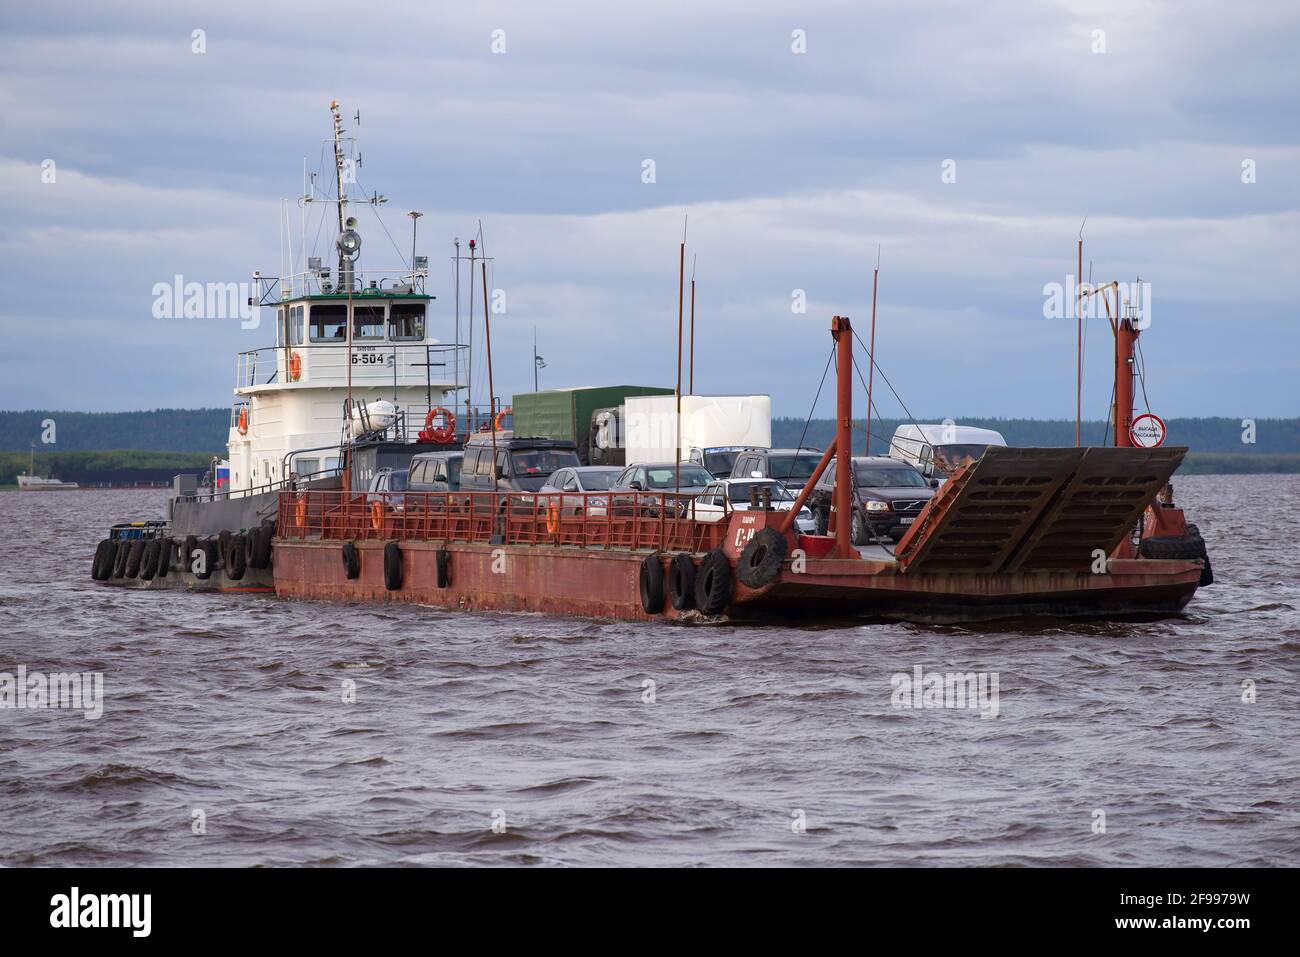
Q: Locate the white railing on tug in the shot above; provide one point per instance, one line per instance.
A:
(371, 281)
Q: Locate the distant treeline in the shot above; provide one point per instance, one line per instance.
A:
(171, 430)
(1273, 437)
(116, 467)
(1216, 443)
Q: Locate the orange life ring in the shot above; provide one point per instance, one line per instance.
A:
(377, 516)
(242, 425)
(295, 367)
(300, 511)
(444, 433)
(552, 517)
(496, 423)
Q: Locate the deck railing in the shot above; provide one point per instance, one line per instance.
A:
(621, 520)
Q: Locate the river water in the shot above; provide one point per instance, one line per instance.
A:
(242, 730)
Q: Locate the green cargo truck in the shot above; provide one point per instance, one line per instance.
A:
(567, 413)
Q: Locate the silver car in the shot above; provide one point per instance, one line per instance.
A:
(580, 481)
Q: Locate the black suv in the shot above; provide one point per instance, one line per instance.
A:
(889, 494)
(522, 464)
(791, 467)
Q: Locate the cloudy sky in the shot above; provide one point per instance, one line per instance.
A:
(793, 168)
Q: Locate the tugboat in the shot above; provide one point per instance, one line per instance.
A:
(354, 383)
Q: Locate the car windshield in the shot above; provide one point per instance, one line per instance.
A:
(596, 481)
(875, 477)
(739, 491)
(397, 480)
(793, 467)
(720, 463)
(948, 457)
(666, 477)
(541, 462)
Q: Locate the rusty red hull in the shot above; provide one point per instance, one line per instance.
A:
(601, 583)
(1131, 588)
(518, 578)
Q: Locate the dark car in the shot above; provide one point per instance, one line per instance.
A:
(655, 482)
(720, 459)
(522, 465)
(435, 472)
(791, 467)
(889, 494)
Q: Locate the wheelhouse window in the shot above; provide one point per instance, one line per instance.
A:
(295, 325)
(367, 322)
(406, 320)
(329, 322)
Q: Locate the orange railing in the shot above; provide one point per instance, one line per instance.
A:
(621, 520)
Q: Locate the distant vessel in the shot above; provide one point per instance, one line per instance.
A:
(41, 483)
(29, 481)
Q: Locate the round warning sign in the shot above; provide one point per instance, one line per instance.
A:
(1147, 431)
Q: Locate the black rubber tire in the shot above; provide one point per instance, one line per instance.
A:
(250, 546)
(149, 560)
(859, 531)
(187, 552)
(1189, 547)
(760, 562)
(443, 559)
(165, 549)
(392, 566)
(209, 547)
(134, 557)
(234, 559)
(1207, 573)
(119, 560)
(102, 566)
(713, 583)
(651, 584)
(223, 546)
(262, 554)
(351, 560)
(681, 581)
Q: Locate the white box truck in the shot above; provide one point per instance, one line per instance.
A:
(714, 428)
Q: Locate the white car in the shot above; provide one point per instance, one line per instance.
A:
(724, 496)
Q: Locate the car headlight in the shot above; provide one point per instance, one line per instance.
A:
(874, 506)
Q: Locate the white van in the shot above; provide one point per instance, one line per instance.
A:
(934, 450)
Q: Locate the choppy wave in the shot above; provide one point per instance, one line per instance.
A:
(227, 737)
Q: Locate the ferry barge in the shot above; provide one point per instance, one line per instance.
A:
(1017, 532)
(1083, 531)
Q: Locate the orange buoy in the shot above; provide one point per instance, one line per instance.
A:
(444, 433)
(295, 367)
(496, 423)
(300, 511)
(552, 517)
(243, 420)
(377, 516)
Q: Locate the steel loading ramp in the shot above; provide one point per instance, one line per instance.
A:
(1036, 509)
